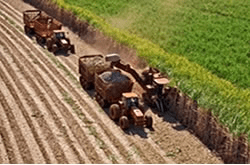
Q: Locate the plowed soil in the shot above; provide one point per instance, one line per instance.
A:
(46, 117)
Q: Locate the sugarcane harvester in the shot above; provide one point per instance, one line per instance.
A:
(152, 81)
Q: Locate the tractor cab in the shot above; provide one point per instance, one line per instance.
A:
(130, 100)
(59, 36)
(159, 84)
(59, 42)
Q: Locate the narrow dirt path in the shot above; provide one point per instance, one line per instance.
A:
(63, 124)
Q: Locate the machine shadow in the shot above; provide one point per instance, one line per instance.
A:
(167, 116)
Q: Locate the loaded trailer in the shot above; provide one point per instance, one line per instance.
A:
(47, 30)
(113, 89)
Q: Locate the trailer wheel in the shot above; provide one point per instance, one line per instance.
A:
(149, 121)
(123, 122)
(72, 49)
(26, 29)
(38, 40)
(114, 111)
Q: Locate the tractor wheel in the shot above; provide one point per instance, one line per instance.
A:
(97, 97)
(114, 111)
(54, 48)
(149, 121)
(38, 40)
(72, 49)
(123, 122)
(49, 49)
(49, 44)
(26, 29)
(43, 40)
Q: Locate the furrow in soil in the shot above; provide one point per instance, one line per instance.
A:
(83, 139)
(126, 154)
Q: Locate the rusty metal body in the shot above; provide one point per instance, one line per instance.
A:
(112, 88)
(151, 81)
(47, 30)
(89, 65)
(40, 23)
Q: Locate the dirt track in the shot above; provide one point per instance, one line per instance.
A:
(46, 117)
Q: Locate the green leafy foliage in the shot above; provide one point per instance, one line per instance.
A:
(207, 47)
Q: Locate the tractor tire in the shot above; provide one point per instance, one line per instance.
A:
(72, 49)
(54, 48)
(149, 121)
(49, 45)
(38, 40)
(43, 41)
(27, 30)
(114, 111)
(123, 122)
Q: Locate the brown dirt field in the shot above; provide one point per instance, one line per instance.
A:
(46, 117)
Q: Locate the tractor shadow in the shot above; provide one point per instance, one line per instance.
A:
(31, 36)
(167, 116)
(61, 53)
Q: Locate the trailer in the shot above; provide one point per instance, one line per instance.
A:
(47, 30)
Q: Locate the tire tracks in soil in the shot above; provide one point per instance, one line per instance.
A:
(22, 122)
(142, 148)
(7, 141)
(67, 115)
(24, 107)
(161, 149)
(7, 112)
(47, 104)
(152, 146)
(84, 103)
(3, 152)
(48, 134)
